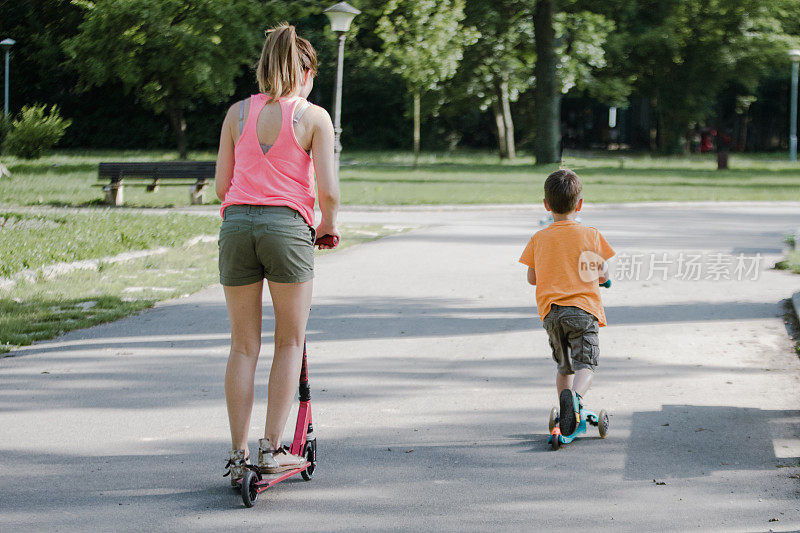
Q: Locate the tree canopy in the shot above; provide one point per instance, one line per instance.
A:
(168, 52)
(423, 41)
(116, 67)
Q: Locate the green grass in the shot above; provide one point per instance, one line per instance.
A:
(792, 262)
(69, 178)
(34, 311)
(29, 241)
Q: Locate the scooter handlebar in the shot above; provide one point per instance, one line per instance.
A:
(327, 240)
(606, 284)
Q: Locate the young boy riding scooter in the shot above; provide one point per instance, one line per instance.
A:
(566, 262)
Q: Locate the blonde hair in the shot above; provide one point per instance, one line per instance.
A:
(284, 61)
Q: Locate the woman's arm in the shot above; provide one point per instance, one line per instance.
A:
(224, 172)
(322, 145)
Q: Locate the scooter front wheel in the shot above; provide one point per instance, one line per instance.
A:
(553, 419)
(308, 473)
(249, 488)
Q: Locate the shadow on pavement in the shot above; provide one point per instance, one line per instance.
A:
(690, 441)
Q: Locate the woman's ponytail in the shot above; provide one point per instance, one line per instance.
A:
(284, 61)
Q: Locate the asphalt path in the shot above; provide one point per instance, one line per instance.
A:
(432, 383)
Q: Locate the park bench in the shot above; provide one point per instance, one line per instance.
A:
(160, 173)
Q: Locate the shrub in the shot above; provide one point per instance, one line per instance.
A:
(35, 131)
(5, 125)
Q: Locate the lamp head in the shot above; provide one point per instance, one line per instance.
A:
(341, 15)
(794, 54)
(8, 42)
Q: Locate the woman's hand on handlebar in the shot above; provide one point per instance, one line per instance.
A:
(326, 228)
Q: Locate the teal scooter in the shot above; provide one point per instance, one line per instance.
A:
(599, 420)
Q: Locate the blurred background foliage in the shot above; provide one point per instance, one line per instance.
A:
(673, 67)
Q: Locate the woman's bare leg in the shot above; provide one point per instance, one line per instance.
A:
(291, 302)
(244, 312)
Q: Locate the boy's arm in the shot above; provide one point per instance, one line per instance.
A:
(603, 273)
(531, 276)
(606, 252)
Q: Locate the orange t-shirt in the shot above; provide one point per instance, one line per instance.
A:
(566, 257)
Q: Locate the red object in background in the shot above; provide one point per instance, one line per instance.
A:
(707, 140)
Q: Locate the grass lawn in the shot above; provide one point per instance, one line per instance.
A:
(30, 241)
(32, 311)
(386, 178)
(792, 262)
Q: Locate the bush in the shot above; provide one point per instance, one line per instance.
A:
(35, 131)
(5, 125)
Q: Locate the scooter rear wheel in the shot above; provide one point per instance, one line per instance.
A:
(555, 442)
(602, 423)
(249, 488)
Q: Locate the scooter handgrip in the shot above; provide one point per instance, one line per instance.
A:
(327, 240)
(606, 284)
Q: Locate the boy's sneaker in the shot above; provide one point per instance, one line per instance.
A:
(274, 461)
(569, 415)
(237, 465)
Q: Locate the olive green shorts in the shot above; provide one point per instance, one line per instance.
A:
(264, 241)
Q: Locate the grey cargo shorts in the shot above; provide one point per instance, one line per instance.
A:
(573, 335)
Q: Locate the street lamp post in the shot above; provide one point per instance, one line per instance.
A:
(340, 15)
(795, 55)
(7, 44)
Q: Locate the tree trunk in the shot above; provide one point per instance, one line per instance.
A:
(511, 150)
(670, 132)
(547, 115)
(178, 122)
(502, 143)
(417, 97)
(654, 125)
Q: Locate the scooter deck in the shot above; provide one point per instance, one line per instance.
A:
(589, 416)
(268, 480)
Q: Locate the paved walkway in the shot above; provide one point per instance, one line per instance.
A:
(431, 388)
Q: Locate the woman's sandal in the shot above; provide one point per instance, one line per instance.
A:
(236, 466)
(275, 461)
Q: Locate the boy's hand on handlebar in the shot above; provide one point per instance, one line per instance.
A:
(606, 284)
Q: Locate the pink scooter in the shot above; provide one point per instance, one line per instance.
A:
(304, 444)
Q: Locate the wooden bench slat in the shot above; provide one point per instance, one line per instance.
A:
(119, 172)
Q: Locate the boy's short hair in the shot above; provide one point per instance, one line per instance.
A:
(562, 190)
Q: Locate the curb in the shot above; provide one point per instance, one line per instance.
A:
(796, 304)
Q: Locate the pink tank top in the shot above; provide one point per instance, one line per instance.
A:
(283, 176)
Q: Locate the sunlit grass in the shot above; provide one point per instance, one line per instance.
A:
(46, 308)
(32, 240)
(387, 178)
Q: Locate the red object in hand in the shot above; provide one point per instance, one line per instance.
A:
(327, 240)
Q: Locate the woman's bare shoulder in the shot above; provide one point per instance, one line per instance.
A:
(318, 116)
(234, 109)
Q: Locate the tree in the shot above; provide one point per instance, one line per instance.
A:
(170, 53)
(547, 115)
(499, 65)
(682, 54)
(423, 41)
